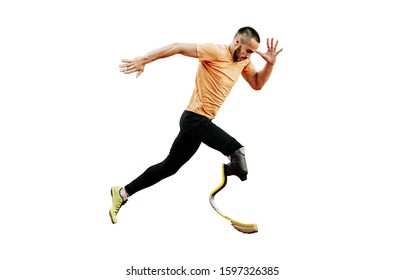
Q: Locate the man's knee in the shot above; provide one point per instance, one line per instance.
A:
(237, 165)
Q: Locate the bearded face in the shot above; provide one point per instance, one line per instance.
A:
(236, 54)
(244, 49)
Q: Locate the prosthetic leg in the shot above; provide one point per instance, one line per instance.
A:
(238, 167)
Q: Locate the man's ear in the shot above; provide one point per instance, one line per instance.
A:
(237, 40)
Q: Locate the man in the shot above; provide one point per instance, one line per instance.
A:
(218, 70)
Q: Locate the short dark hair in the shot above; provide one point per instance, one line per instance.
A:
(248, 33)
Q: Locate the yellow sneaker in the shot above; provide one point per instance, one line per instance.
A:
(117, 202)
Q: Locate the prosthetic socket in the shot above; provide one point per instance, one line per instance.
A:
(237, 165)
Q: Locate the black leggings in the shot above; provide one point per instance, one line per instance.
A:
(194, 130)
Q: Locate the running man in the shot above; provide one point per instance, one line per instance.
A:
(219, 68)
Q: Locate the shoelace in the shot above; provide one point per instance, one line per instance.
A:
(116, 210)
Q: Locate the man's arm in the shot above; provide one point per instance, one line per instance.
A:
(137, 64)
(258, 79)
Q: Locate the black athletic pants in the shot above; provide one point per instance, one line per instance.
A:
(194, 130)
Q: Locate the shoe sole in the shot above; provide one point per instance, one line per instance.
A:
(109, 212)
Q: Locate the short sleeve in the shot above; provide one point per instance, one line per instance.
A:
(208, 51)
(249, 68)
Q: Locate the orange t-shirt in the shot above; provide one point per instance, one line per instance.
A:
(216, 75)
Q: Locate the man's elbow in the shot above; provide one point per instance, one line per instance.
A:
(257, 83)
(175, 48)
(257, 86)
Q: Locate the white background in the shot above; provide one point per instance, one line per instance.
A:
(324, 141)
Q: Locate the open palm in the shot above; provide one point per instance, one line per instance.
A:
(272, 52)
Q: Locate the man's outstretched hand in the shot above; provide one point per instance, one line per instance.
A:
(272, 52)
(130, 66)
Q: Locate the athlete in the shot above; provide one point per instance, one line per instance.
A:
(219, 68)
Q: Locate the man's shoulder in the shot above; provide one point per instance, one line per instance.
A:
(211, 50)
